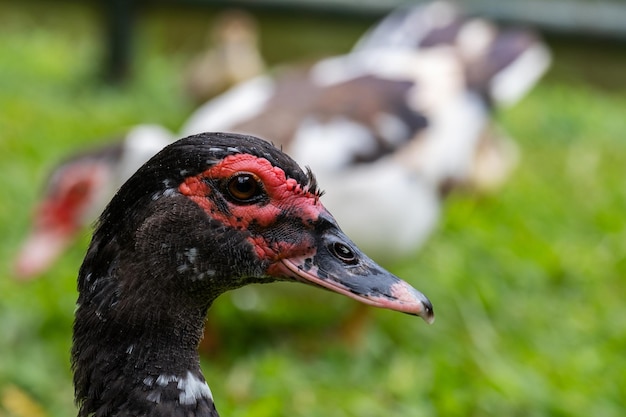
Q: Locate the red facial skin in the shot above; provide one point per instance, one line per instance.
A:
(60, 216)
(63, 211)
(284, 195)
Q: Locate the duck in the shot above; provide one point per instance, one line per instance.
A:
(77, 190)
(231, 56)
(207, 214)
(403, 119)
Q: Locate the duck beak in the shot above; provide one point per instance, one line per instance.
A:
(337, 264)
(40, 249)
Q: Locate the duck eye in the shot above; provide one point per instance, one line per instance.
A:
(245, 188)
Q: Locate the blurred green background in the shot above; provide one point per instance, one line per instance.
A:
(528, 284)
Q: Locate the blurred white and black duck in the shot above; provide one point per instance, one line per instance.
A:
(389, 127)
(232, 56)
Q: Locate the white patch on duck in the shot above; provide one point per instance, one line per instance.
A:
(142, 142)
(335, 70)
(240, 103)
(169, 183)
(438, 76)
(391, 64)
(164, 379)
(509, 85)
(168, 192)
(154, 396)
(191, 255)
(199, 276)
(436, 72)
(439, 14)
(326, 146)
(192, 389)
(407, 30)
(391, 128)
(447, 151)
(475, 38)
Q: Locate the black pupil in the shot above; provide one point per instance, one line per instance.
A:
(343, 252)
(244, 188)
(245, 185)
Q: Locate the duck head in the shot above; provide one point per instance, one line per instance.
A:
(209, 213)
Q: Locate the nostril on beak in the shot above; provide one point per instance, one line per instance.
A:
(343, 252)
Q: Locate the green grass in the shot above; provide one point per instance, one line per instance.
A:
(528, 284)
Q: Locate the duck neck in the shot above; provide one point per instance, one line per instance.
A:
(144, 292)
(140, 364)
